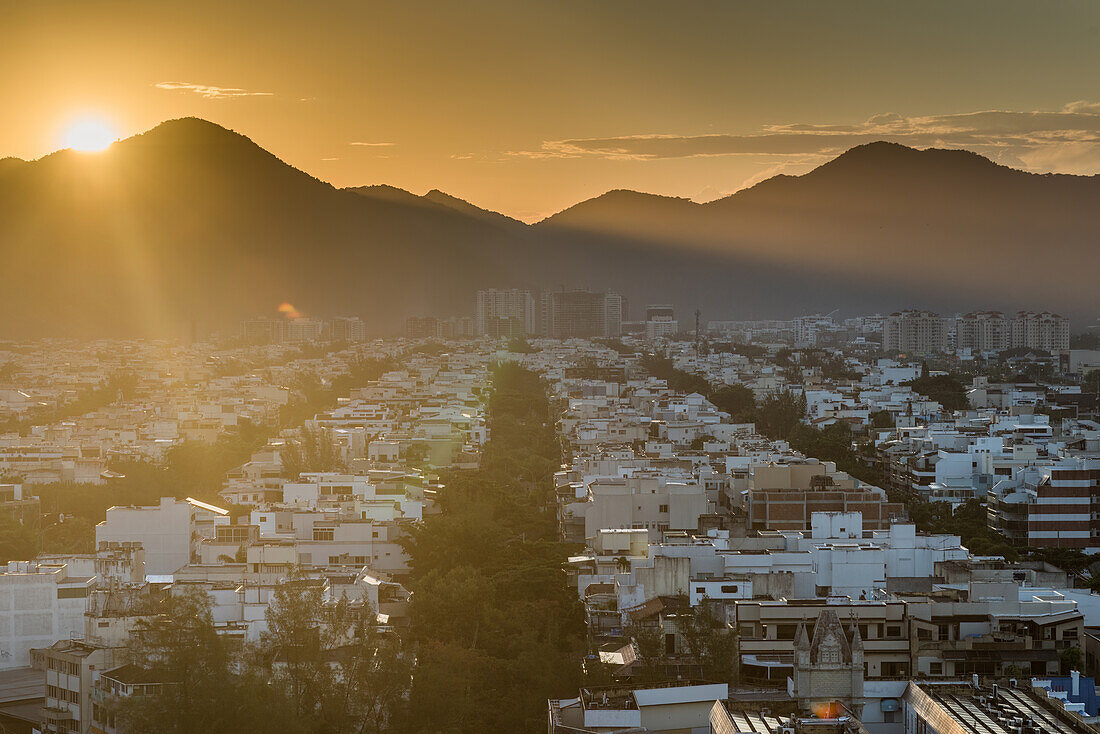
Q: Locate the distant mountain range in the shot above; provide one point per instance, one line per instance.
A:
(192, 227)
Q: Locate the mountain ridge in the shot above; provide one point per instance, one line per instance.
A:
(191, 227)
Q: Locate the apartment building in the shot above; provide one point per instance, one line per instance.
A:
(39, 604)
(1050, 505)
(581, 314)
(169, 532)
(1040, 330)
(786, 496)
(506, 313)
(660, 321)
(915, 333)
(984, 331)
(72, 669)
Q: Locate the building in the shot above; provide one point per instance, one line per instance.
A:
(808, 330)
(349, 329)
(505, 313)
(828, 664)
(169, 532)
(1045, 330)
(1049, 506)
(39, 604)
(660, 321)
(581, 314)
(984, 331)
(264, 331)
(679, 706)
(915, 332)
(421, 327)
(969, 707)
(72, 669)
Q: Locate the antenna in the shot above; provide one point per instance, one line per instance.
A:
(698, 334)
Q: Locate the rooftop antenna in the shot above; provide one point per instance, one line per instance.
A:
(698, 334)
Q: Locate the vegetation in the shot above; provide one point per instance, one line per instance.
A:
(947, 390)
(968, 521)
(498, 629)
(314, 451)
(737, 400)
(117, 387)
(661, 367)
(321, 669)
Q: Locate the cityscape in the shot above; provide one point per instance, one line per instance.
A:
(619, 367)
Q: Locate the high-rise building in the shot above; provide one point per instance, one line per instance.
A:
(421, 327)
(915, 332)
(808, 329)
(264, 331)
(985, 331)
(660, 320)
(1045, 330)
(505, 313)
(349, 328)
(582, 314)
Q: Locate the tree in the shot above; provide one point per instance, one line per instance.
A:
(737, 400)
(1071, 659)
(17, 541)
(178, 647)
(314, 451)
(947, 390)
(780, 413)
(882, 419)
(707, 636)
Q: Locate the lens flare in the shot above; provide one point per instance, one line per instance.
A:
(288, 310)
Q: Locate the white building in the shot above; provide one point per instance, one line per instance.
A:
(915, 332)
(39, 604)
(169, 532)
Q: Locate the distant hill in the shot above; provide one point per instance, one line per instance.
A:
(192, 226)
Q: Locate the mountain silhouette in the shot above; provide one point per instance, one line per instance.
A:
(192, 227)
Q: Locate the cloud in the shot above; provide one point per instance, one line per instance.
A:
(372, 145)
(211, 92)
(1065, 141)
(330, 159)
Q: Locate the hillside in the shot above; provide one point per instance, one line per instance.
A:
(192, 227)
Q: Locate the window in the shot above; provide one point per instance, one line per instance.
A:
(662, 508)
(893, 630)
(935, 668)
(729, 589)
(72, 592)
(700, 590)
(323, 533)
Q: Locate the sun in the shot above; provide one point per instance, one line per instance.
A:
(89, 134)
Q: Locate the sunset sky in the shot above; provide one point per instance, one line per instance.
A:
(528, 107)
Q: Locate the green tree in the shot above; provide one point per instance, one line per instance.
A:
(780, 413)
(17, 541)
(709, 638)
(737, 400)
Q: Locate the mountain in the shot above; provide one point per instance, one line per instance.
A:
(192, 227)
(944, 229)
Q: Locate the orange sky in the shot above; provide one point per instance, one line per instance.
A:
(527, 107)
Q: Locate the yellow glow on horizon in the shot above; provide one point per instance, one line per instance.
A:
(89, 134)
